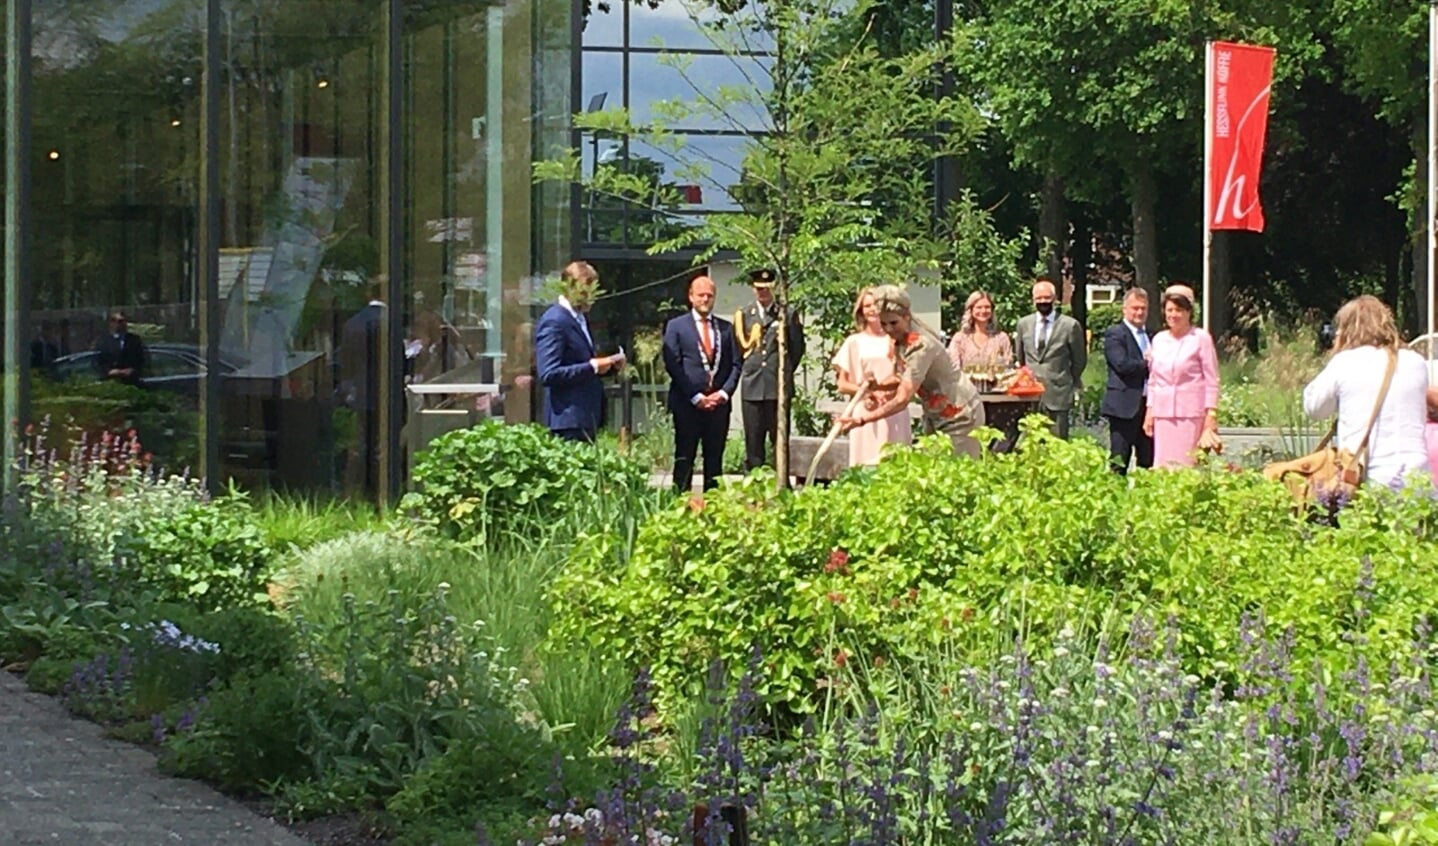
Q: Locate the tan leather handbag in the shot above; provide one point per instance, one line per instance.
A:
(1329, 475)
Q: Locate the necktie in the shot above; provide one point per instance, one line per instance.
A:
(584, 327)
(1043, 334)
(1142, 340)
(705, 338)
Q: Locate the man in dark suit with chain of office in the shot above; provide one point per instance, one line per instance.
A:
(756, 327)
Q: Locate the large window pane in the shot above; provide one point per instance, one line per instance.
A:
(300, 180)
(114, 165)
(723, 88)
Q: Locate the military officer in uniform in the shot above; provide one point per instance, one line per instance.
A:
(756, 326)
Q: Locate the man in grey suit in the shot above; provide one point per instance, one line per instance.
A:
(1053, 347)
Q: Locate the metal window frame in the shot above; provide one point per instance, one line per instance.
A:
(18, 226)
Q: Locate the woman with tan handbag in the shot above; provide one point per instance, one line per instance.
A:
(1379, 390)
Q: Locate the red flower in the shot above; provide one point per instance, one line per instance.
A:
(913, 594)
(841, 658)
(838, 562)
(696, 504)
(967, 615)
(950, 412)
(836, 597)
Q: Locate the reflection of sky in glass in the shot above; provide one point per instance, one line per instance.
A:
(603, 74)
(671, 25)
(711, 162)
(700, 80)
(605, 29)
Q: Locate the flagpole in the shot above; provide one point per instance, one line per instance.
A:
(1432, 210)
(1207, 308)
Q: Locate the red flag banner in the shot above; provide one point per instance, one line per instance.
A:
(1239, 80)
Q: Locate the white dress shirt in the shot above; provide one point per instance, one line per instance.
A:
(1349, 385)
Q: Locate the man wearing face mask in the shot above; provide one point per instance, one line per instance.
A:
(566, 359)
(1052, 346)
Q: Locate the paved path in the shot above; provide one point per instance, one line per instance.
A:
(63, 782)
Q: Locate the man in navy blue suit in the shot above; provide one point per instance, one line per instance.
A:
(1126, 350)
(564, 356)
(703, 364)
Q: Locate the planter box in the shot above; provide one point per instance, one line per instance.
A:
(1240, 441)
(801, 453)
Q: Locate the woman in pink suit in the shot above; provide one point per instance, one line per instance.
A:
(1182, 383)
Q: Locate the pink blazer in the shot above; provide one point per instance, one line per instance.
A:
(1183, 376)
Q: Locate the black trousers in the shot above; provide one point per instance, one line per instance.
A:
(582, 435)
(1126, 440)
(693, 430)
(1061, 421)
(761, 426)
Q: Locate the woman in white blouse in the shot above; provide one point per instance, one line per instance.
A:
(1365, 337)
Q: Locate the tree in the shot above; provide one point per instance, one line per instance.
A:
(1089, 94)
(835, 189)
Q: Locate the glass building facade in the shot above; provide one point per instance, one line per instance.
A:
(316, 216)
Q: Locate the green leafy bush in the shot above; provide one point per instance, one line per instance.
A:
(493, 478)
(929, 549)
(210, 554)
(248, 733)
(1099, 319)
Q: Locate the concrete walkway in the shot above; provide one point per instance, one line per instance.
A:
(63, 782)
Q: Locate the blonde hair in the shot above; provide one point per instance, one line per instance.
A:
(891, 298)
(859, 321)
(1365, 322)
(966, 325)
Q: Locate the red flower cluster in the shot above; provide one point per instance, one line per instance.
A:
(838, 562)
(836, 597)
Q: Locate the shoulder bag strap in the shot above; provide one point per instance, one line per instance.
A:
(1377, 406)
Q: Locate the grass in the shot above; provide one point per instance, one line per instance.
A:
(576, 690)
(297, 523)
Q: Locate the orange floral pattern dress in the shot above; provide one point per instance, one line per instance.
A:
(950, 402)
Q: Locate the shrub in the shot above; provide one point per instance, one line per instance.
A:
(245, 735)
(493, 478)
(210, 554)
(927, 548)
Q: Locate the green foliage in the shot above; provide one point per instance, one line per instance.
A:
(249, 733)
(927, 548)
(212, 554)
(1413, 821)
(489, 480)
(1100, 318)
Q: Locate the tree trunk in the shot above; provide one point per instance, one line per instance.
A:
(781, 425)
(1080, 256)
(1053, 227)
(1143, 202)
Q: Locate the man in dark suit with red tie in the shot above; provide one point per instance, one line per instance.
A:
(703, 364)
(564, 356)
(1125, 350)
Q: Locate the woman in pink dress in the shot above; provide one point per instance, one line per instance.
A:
(869, 354)
(1182, 383)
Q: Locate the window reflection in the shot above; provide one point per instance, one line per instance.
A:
(299, 146)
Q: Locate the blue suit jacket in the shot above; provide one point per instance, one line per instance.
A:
(574, 393)
(685, 364)
(1127, 372)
